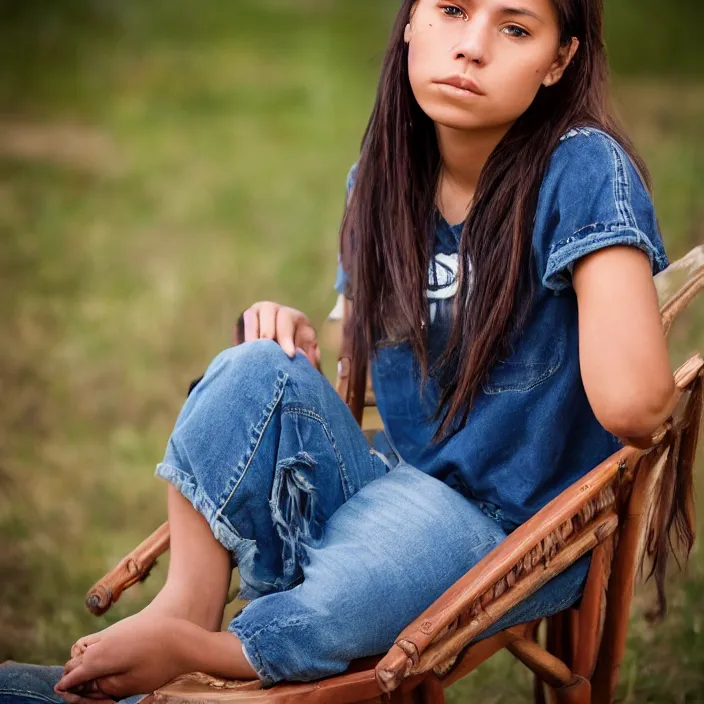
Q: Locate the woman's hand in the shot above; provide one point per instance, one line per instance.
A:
(289, 327)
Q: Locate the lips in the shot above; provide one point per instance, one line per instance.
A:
(463, 83)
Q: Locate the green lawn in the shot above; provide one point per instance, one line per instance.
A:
(162, 166)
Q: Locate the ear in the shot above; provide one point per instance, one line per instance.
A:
(564, 57)
(408, 31)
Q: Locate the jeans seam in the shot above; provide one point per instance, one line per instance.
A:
(28, 694)
(382, 457)
(285, 623)
(622, 189)
(223, 530)
(259, 433)
(302, 411)
(391, 442)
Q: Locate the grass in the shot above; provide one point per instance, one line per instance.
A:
(162, 166)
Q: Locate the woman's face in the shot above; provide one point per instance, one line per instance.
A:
(477, 64)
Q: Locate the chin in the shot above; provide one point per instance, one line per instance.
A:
(462, 118)
(455, 117)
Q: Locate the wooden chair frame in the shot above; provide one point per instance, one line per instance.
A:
(609, 512)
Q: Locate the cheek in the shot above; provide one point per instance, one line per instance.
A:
(420, 66)
(519, 87)
(429, 50)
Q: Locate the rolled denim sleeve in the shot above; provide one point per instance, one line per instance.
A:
(591, 197)
(341, 278)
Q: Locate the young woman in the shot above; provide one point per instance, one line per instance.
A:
(498, 251)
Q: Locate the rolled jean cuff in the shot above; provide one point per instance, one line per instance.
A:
(285, 648)
(241, 549)
(252, 654)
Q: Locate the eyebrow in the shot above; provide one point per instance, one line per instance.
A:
(522, 11)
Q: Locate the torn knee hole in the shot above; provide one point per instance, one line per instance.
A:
(293, 505)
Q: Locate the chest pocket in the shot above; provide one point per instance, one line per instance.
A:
(532, 364)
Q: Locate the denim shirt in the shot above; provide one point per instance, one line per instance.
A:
(531, 432)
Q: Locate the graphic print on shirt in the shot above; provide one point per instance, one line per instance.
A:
(442, 282)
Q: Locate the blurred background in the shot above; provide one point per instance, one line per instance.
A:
(165, 164)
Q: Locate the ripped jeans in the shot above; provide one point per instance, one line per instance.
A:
(337, 551)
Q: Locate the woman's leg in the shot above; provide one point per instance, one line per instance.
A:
(198, 577)
(34, 684)
(28, 684)
(262, 454)
(266, 451)
(195, 590)
(388, 553)
(199, 567)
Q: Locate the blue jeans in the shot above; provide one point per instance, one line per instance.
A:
(337, 552)
(29, 684)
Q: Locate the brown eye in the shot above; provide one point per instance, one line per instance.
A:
(515, 31)
(454, 11)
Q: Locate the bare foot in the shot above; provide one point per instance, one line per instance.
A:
(82, 644)
(138, 655)
(166, 603)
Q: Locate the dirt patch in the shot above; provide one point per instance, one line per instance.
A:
(82, 147)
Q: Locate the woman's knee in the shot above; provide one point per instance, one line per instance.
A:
(250, 357)
(258, 360)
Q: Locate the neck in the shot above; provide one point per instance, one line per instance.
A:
(464, 153)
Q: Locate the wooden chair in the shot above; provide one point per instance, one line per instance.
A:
(622, 511)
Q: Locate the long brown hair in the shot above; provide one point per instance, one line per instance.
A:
(385, 240)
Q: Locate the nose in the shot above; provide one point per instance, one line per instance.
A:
(473, 42)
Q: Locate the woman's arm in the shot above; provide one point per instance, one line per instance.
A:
(623, 353)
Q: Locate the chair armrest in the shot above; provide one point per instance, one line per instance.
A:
(529, 550)
(130, 570)
(137, 565)
(566, 528)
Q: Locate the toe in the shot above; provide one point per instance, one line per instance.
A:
(79, 647)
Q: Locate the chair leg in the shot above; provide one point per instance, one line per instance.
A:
(432, 691)
(429, 691)
(538, 684)
(555, 636)
(538, 690)
(578, 693)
